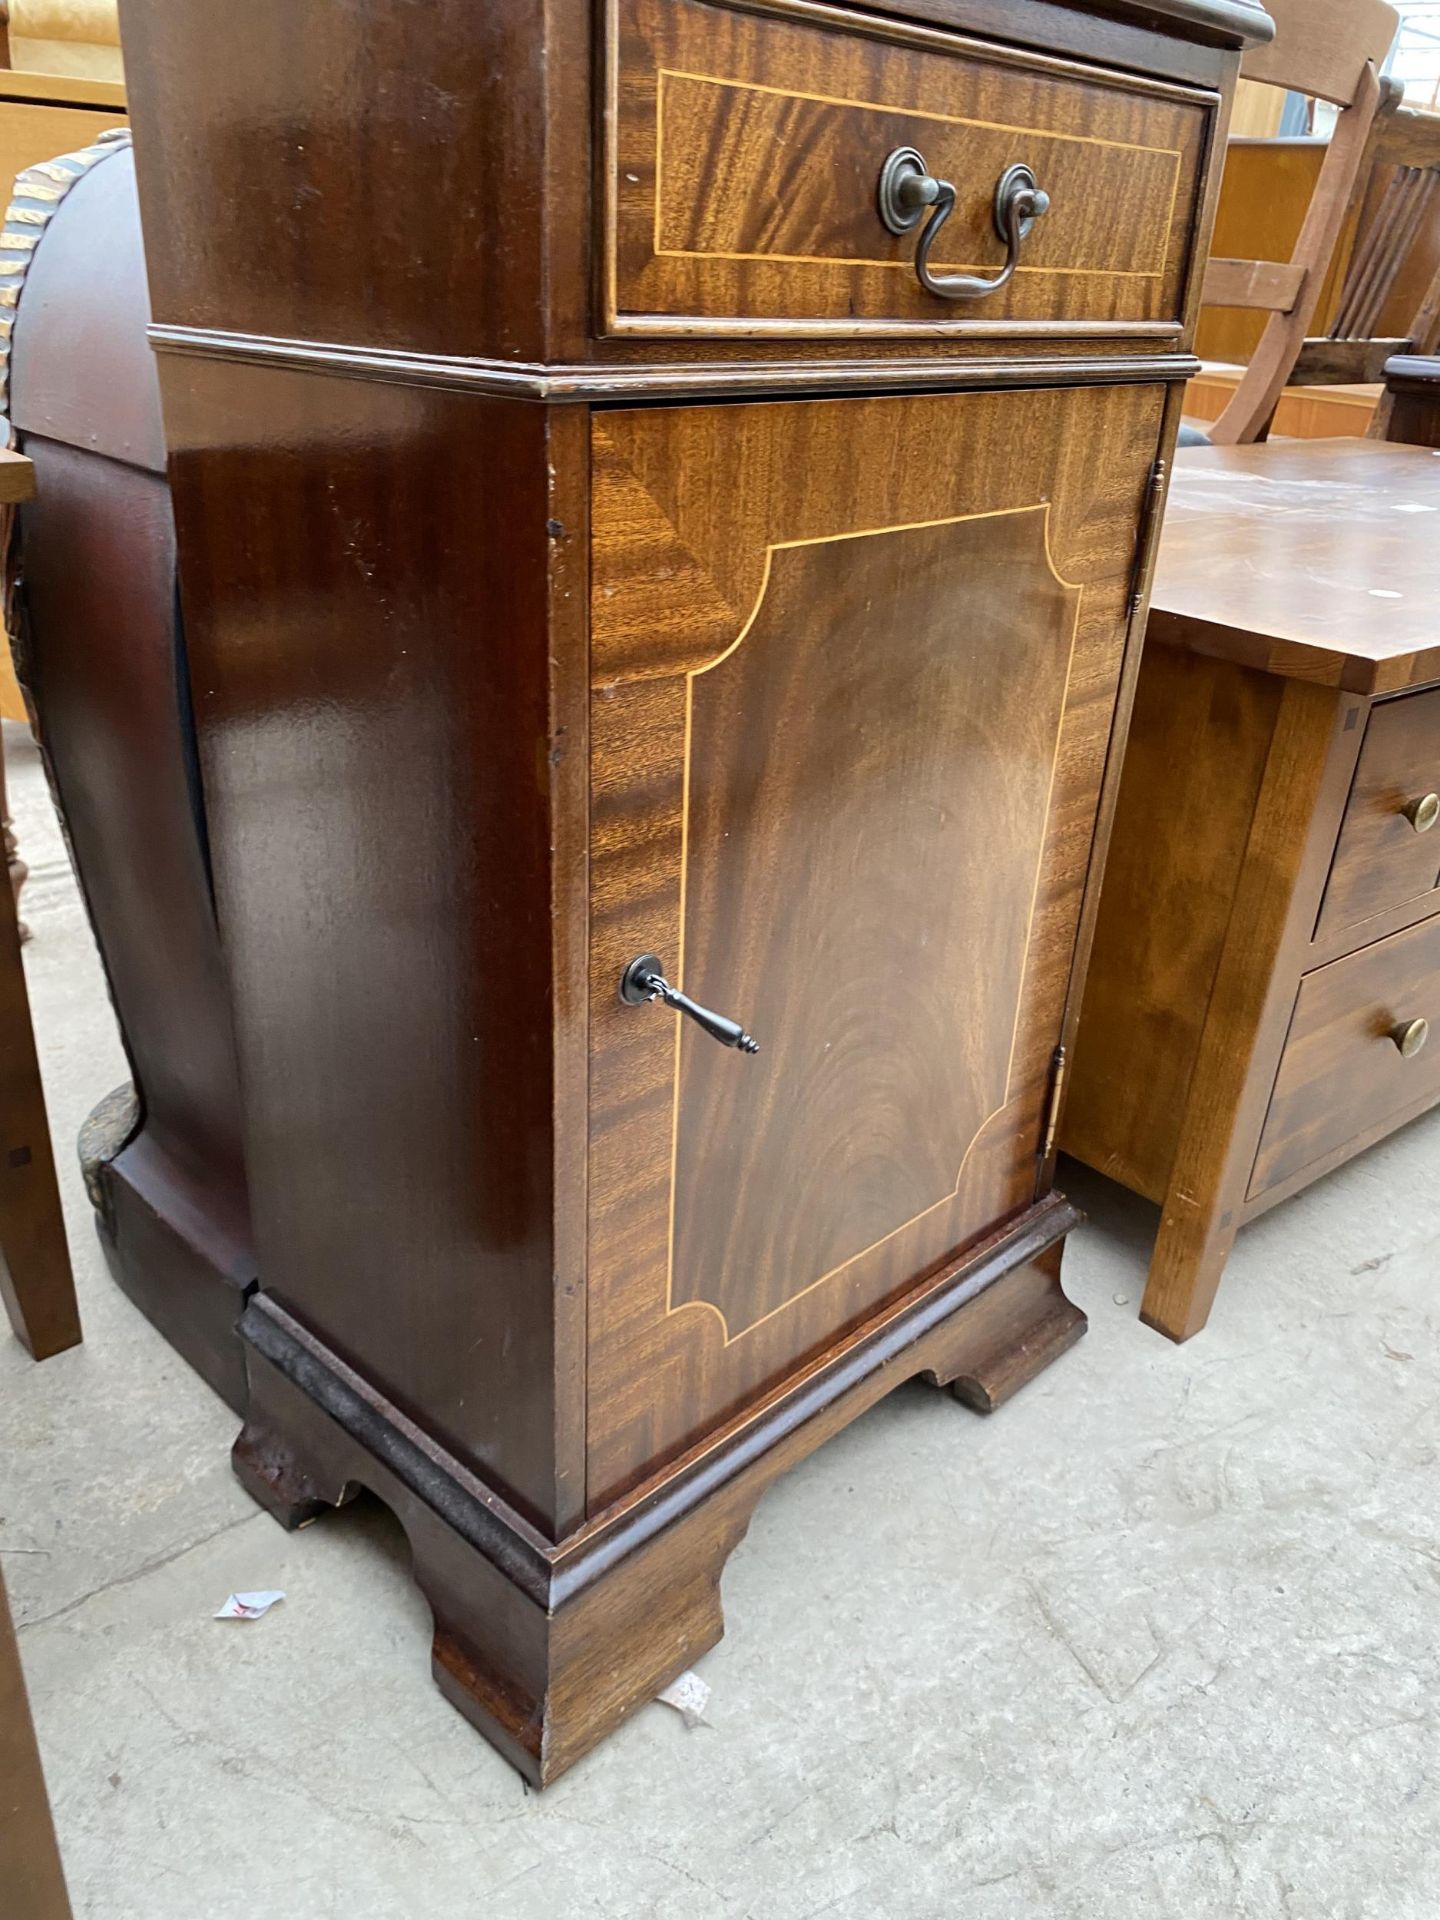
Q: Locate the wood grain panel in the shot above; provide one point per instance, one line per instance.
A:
(1194, 763)
(691, 508)
(1341, 1074)
(746, 152)
(1380, 860)
(883, 699)
(1301, 557)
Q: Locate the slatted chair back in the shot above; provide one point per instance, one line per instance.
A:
(1332, 50)
(1394, 271)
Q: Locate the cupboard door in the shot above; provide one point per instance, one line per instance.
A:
(853, 670)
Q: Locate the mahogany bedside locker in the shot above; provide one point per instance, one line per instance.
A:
(663, 494)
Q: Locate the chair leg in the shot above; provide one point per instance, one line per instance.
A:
(30, 1871)
(15, 867)
(35, 1276)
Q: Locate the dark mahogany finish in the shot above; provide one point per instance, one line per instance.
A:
(101, 656)
(836, 732)
(504, 679)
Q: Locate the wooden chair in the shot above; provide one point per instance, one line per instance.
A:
(1411, 403)
(32, 1883)
(1398, 233)
(1332, 50)
(39, 1292)
(35, 1277)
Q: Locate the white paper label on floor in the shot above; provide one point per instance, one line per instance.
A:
(249, 1606)
(689, 1695)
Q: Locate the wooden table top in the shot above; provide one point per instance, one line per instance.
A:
(1317, 559)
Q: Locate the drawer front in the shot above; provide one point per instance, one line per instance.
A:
(745, 151)
(853, 668)
(1343, 1074)
(1387, 853)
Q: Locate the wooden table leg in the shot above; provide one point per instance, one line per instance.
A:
(1250, 1004)
(15, 867)
(35, 1276)
(32, 1883)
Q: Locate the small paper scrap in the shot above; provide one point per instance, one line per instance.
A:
(249, 1606)
(689, 1695)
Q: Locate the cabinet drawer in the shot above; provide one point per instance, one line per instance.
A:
(745, 152)
(1342, 1074)
(1386, 854)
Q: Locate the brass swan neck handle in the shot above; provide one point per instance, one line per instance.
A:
(908, 189)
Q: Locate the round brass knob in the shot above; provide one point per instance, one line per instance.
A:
(1424, 812)
(1410, 1036)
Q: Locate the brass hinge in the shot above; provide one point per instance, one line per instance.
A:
(1052, 1110)
(1146, 538)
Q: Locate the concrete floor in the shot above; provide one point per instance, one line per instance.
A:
(1158, 1639)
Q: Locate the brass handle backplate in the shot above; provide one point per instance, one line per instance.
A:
(1410, 1036)
(1424, 812)
(908, 189)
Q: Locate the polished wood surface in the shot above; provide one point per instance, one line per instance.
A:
(1246, 1015)
(1281, 849)
(1383, 857)
(747, 150)
(1342, 1069)
(783, 597)
(506, 674)
(30, 1870)
(103, 660)
(1200, 736)
(412, 1164)
(475, 219)
(1313, 559)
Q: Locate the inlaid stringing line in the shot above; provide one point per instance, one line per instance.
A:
(819, 540)
(1174, 154)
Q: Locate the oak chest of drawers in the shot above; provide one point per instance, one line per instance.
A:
(663, 494)
(1267, 956)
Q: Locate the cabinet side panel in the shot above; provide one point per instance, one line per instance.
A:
(364, 575)
(371, 174)
(1194, 760)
